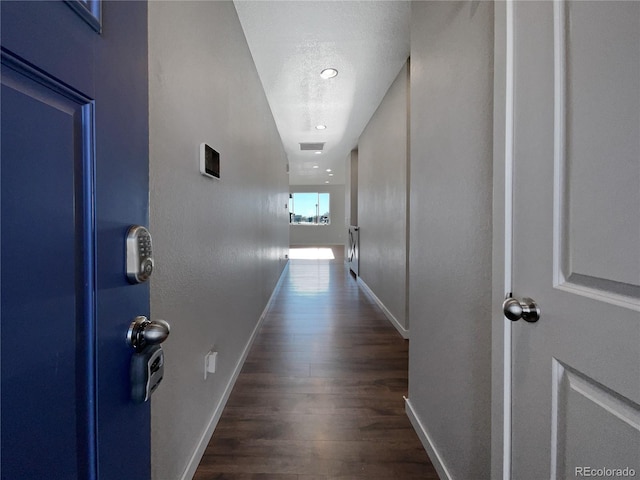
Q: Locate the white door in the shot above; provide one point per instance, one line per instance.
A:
(575, 380)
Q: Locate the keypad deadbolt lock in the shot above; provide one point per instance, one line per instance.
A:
(139, 254)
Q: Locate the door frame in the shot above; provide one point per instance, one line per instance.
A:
(503, 113)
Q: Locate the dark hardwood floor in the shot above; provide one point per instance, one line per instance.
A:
(320, 395)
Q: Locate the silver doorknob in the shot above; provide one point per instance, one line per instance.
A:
(526, 309)
(143, 332)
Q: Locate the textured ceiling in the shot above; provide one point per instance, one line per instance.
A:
(293, 41)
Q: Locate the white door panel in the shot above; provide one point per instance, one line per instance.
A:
(600, 93)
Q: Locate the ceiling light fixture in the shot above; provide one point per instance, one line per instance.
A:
(328, 73)
(331, 174)
(316, 166)
(321, 127)
(328, 169)
(326, 181)
(317, 153)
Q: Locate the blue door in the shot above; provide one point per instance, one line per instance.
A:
(74, 177)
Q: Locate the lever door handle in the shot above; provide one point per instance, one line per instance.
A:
(526, 309)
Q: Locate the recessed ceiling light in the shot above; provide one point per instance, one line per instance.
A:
(316, 166)
(321, 127)
(326, 181)
(317, 153)
(328, 73)
(328, 169)
(331, 174)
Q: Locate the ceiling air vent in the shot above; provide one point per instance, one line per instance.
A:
(312, 146)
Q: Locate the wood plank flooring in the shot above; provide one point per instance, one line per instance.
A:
(320, 395)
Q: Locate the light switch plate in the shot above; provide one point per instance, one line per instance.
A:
(210, 360)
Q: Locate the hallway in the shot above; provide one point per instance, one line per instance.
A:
(320, 395)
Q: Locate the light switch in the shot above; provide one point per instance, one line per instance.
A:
(210, 360)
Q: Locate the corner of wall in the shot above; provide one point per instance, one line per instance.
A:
(387, 313)
(427, 442)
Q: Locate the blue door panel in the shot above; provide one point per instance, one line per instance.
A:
(52, 37)
(42, 309)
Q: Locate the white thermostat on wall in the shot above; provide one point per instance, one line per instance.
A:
(209, 161)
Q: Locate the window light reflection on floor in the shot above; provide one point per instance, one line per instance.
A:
(311, 254)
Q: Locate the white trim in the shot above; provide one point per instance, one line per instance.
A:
(601, 296)
(620, 407)
(498, 242)
(557, 372)
(196, 457)
(561, 266)
(394, 321)
(508, 234)
(427, 443)
(559, 242)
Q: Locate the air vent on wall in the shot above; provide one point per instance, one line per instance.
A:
(312, 146)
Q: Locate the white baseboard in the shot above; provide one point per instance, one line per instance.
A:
(195, 459)
(427, 443)
(394, 321)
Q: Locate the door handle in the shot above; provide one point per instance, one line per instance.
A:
(143, 332)
(526, 309)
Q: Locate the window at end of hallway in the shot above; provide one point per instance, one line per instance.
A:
(309, 208)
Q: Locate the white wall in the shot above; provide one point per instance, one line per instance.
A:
(333, 234)
(382, 195)
(219, 244)
(450, 257)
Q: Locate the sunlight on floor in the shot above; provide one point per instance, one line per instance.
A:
(311, 254)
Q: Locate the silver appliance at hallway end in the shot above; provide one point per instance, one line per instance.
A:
(353, 252)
